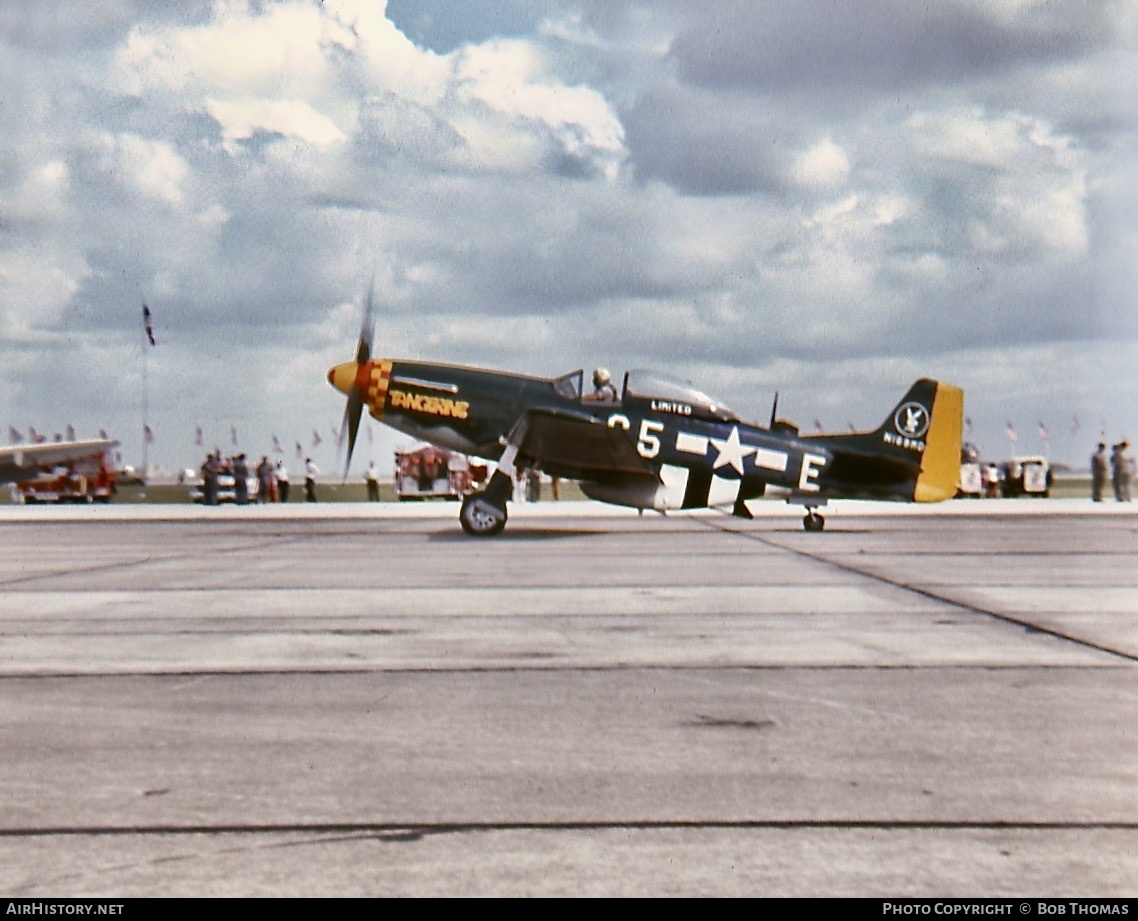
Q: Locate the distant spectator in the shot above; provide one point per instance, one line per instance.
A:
(1099, 471)
(240, 480)
(281, 478)
(372, 478)
(264, 481)
(1122, 472)
(210, 470)
(310, 471)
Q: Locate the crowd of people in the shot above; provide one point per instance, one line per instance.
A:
(266, 483)
(231, 479)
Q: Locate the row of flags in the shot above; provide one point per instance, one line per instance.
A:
(1044, 434)
(16, 437)
(277, 447)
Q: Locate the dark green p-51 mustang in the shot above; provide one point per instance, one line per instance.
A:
(652, 444)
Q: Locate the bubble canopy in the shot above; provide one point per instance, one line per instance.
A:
(647, 385)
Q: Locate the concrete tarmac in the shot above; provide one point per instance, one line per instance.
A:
(359, 700)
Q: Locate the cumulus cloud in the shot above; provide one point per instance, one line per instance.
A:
(244, 52)
(824, 165)
(1026, 193)
(290, 118)
(506, 76)
(149, 168)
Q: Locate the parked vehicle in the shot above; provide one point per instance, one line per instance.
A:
(971, 481)
(1026, 476)
(226, 489)
(427, 472)
(90, 479)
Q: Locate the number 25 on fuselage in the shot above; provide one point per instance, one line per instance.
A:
(656, 444)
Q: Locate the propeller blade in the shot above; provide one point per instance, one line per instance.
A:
(352, 413)
(367, 327)
(355, 405)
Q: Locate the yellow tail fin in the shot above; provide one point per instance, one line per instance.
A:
(939, 478)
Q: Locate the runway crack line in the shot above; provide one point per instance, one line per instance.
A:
(922, 592)
(409, 831)
(227, 550)
(79, 570)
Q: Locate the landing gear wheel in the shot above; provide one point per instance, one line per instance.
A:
(813, 521)
(479, 518)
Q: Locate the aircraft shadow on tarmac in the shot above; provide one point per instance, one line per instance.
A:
(520, 534)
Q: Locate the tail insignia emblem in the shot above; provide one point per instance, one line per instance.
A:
(911, 420)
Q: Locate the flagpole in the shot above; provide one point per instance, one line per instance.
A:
(145, 392)
(147, 344)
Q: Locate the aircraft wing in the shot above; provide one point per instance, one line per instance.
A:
(577, 447)
(24, 462)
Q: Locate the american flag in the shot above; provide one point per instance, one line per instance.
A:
(148, 324)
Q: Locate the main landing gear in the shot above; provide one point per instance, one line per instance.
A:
(483, 514)
(813, 521)
(479, 518)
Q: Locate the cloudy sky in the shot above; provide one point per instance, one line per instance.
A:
(821, 198)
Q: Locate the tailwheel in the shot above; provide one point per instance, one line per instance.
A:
(480, 518)
(813, 521)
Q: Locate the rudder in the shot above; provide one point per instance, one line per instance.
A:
(940, 464)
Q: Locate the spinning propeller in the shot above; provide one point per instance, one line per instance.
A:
(346, 377)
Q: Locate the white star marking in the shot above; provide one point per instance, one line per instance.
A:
(731, 451)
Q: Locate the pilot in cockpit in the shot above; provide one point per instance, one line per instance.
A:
(604, 391)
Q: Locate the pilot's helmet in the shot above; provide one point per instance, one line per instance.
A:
(601, 377)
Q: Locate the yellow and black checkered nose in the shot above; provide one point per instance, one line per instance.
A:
(367, 381)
